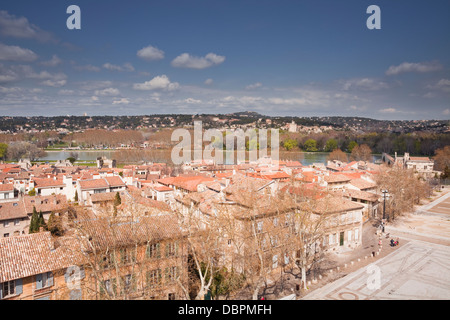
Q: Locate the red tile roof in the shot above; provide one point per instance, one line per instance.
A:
(28, 255)
(93, 184)
(6, 187)
(12, 210)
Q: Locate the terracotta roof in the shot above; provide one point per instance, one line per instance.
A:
(114, 181)
(93, 184)
(363, 195)
(189, 183)
(363, 184)
(276, 175)
(12, 210)
(6, 187)
(108, 233)
(336, 178)
(334, 204)
(47, 183)
(162, 189)
(420, 159)
(45, 203)
(293, 164)
(28, 255)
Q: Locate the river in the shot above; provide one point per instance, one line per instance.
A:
(306, 158)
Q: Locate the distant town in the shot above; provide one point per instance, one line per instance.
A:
(66, 124)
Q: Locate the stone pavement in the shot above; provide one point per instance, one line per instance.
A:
(418, 269)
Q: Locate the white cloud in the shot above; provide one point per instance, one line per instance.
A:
(121, 101)
(443, 84)
(420, 67)
(446, 112)
(388, 110)
(157, 83)
(107, 92)
(113, 67)
(7, 74)
(185, 60)
(364, 83)
(192, 101)
(53, 62)
(15, 53)
(66, 92)
(209, 81)
(254, 86)
(150, 53)
(20, 27)
(87, 67)
(54, 83)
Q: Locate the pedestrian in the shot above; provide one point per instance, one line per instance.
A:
(397, 243)
(380, 243)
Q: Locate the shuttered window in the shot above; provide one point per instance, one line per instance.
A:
(10, 288)
(44, 280)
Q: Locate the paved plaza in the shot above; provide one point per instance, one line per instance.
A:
(418, 269)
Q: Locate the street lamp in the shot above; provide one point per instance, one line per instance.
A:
(385, 195)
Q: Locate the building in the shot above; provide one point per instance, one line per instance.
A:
(343, 223)
(6, 191)
(14, 219)
(34, 268)
(105, 259)
(98, 185)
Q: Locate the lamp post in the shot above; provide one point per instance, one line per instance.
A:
(385, 195)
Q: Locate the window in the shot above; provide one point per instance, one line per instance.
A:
(16, 222)
(333, 238)
(274, 262)
(10, 288)
(127, 255)
(171, 274)
(110, 286)
(356, 234)
(128, 284)
(287, 220)
(286, 258)
(171, 249)
(153, 251)
(154, 278)
(349, 235)
(6, 235)
(171, 296)
(44, 280)
(259, 226)
(6, 223)
(275, 222)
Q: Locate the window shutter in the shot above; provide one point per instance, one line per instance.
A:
(82, 273)
(49, 278)
(39, 281)
(19, 287)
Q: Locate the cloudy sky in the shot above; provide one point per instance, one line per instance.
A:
(299, 58)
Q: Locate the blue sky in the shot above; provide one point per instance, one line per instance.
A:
(289, 58)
